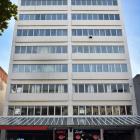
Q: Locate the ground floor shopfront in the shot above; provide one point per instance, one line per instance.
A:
(76, 134)
(81, 128)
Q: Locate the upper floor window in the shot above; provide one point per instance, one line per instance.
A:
(40, 49)
(42, 2)
(32, 68)
(99, 68)
(94, 2)
(95, 16)
(97, 49)
(42, 32)
(43, 17)
(96, 32)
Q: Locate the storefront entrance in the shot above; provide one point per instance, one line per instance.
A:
(37, 135)
(118, 135)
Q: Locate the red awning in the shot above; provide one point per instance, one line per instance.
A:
(10, 127)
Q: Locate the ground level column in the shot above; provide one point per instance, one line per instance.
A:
(102, 134)
(137, 133)
(70, 134)
(3, 135)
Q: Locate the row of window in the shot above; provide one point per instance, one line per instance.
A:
(63, 110)
(43, 2)
(95, 17)
(102, 110)
(43, 17)
(40, 49)
(63, 49)
(40, 68)
(77, 88)
(63, 32)
(101, 88)
(99, 67)
(42, 32)
(64, 17)
(64, 2)
(37, 110)
(97, 49)
(96, 32)
(94, 2)
(75, 68)
(39, 88)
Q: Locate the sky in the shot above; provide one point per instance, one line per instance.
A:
(131, 15)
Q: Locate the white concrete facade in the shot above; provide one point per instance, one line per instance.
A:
(70, 98)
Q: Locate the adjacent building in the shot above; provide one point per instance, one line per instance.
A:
(70, 72)
(136, 81)
(3, 85)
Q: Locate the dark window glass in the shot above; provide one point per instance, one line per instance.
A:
(37, 110)
(45, 88)
(44, 110)
(120, 87)
(25, 88)
(24, 110)
(10, 110)
(30, 110)
(113, 88)
(75, 110)
(81, 88)
(126, 88)
(129, 110)
(17, 49)
(51, 110)
(100, 88)
(58, 110)
(122, 110)
(64, 110)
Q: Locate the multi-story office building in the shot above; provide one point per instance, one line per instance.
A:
(70, 72)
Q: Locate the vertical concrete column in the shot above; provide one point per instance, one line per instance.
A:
(3, 135)
(137, 134)
(70, 134)
(102, 134)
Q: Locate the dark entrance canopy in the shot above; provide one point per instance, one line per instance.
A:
(25, 122)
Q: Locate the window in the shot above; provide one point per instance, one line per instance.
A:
(64, 110)
(115, 110)
(102, 110)
(113, 88)
(75, 110)
(126, 88)
(24, 110)
(58, 110)
(44, 110)
(10, 110)
(30, 110)
(129, 110)
(51, 110)
(95, 110)
(88, 110)
(25, 88)
(100, 88)
(109, 110)
(122, 110)
(81, 88)
(81, 110)
(120, 87)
